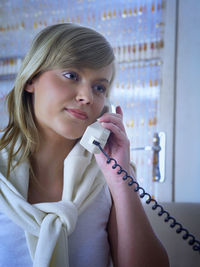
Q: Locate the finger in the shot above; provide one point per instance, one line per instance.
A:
(115, 129)
(114, 119)
(109, 117)
(119, 110)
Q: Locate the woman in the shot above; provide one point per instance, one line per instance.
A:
(59, 204)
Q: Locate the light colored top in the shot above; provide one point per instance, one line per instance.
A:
(88, 244)
(41, 232)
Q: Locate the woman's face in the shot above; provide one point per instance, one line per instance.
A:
(66, 101)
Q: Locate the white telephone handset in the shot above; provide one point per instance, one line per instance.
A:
(96, 132)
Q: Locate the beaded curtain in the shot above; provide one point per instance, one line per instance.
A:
(135, 29)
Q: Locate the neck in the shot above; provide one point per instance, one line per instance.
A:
(47, 165)
(50, 157)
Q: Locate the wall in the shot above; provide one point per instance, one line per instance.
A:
(187, 119)
(166, 110)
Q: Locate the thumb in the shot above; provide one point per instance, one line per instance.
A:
(119, 110)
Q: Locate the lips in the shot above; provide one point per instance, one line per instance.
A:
(77, 113)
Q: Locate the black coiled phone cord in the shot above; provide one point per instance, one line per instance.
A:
(186, 235)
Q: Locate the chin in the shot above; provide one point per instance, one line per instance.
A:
(71, 134)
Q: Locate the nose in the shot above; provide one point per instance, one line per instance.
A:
(84, 94)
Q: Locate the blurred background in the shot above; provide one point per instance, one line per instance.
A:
(157, 47)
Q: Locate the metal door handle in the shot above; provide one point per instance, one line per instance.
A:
(158, 148)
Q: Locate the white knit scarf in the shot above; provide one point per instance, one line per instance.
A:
(47, 225)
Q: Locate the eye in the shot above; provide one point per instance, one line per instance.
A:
(100, 88)
(71, 75)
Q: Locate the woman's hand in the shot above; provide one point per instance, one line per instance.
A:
(117, 147)
(130, 234)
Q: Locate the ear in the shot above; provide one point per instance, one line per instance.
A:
(29, 87)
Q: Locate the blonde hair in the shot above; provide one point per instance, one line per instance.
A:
(58, 46)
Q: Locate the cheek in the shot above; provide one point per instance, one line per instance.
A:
(48, 98)
(43, 105)
(100, 107)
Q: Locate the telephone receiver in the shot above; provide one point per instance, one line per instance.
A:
(96, 132)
